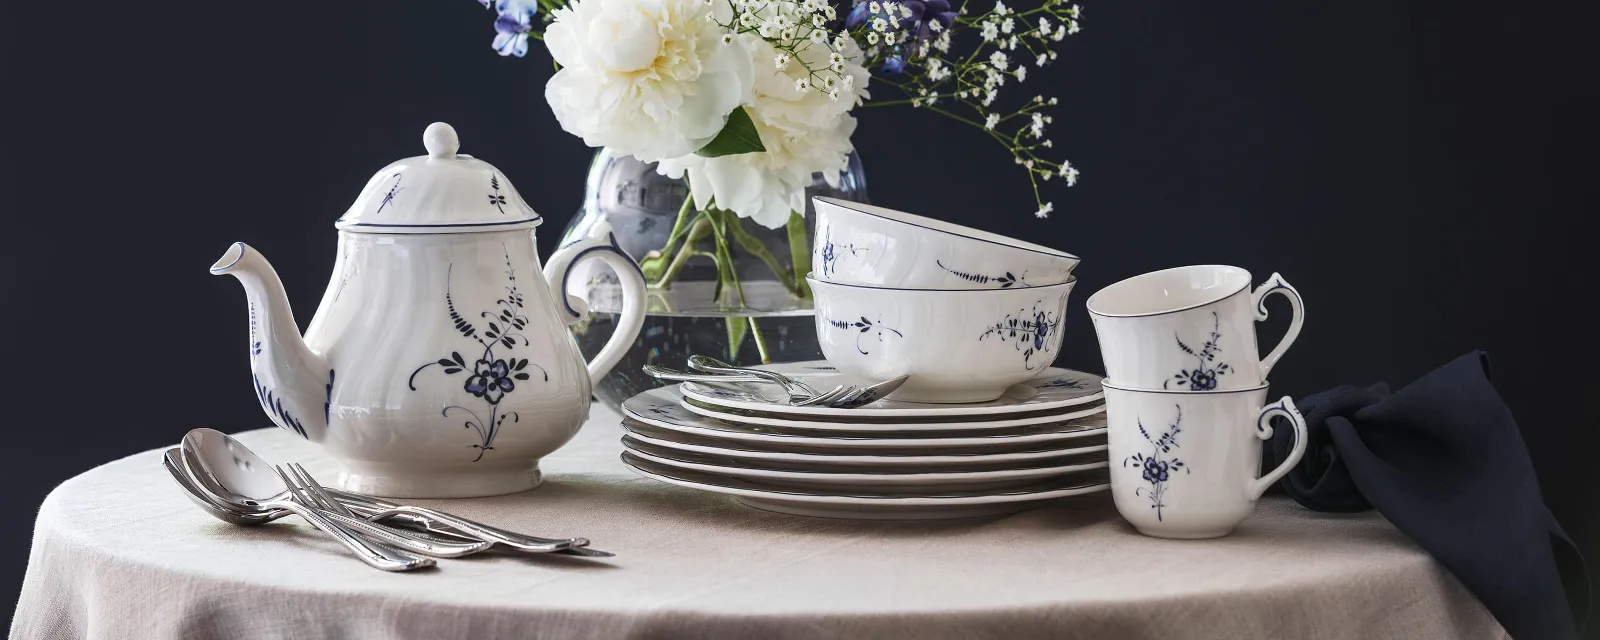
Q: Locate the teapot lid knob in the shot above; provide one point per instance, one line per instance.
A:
(440, 140)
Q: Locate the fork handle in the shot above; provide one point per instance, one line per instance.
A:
(376, 556)
(483, 531)
(376, 508)
(437, 548)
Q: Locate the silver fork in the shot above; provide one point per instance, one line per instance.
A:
(841, 397)
(307, 492)
(439, 522)
(485, 534)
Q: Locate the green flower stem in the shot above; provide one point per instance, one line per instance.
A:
(761, 342)
(697, 232)
(755, 247)
(799, 254)
(737, 329)
(726, 274)
(654, 265)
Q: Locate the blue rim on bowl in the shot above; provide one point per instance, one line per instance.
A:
(943, 227)
(812, 278)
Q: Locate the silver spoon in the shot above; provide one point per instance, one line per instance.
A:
(173, 461)
(460, 536)
(260, 483)
(228, 473)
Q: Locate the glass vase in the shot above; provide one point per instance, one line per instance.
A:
(758, 310)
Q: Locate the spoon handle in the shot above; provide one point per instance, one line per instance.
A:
(375, 555)
(441, 522)
(483, 531)
(432, 547)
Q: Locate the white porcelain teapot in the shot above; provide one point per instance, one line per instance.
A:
(439, 363)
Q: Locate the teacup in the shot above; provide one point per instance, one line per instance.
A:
(1184, 464)
(1189, 328)
(957, 346)
(873, 246)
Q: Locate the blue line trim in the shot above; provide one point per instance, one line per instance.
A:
(614, 247)
(1108, 385)
(437, 226)
(236, 259)
(1089, 304)
(842, 205)
(1040, 288)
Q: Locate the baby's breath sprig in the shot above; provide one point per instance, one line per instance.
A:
(919, 54)
(799, 32)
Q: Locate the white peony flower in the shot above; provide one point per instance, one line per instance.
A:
(805, 131)
(766, 187)
(649, 78)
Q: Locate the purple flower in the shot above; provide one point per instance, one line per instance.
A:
(513, 22)
(858, 14)
(924, 13)
(895, 63)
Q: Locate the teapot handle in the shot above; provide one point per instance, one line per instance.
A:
(600, 244)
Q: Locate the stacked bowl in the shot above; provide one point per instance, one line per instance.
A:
(982, 424)
(965, 313)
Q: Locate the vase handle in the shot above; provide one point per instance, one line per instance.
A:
(600, 244)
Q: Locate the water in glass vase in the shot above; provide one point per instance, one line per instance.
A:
(782, 334)
(755, 310)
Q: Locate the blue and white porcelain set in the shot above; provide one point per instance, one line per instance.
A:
(439, 365)
(982, 425)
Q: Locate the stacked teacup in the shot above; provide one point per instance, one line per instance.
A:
(1186, 396)
(965, 313)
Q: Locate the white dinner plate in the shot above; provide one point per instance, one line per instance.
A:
(929, 506)
(908, 457)
(882, 479)
(1052, 390)
(659, 407)
(755, 418)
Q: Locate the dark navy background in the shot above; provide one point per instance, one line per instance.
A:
(1418, 169)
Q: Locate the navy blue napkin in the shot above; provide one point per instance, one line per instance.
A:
(1443, 460)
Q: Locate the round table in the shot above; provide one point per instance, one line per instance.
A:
(118, 552)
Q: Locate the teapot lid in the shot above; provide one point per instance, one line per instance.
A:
(442, 192)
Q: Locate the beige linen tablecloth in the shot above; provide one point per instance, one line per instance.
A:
(119, 553)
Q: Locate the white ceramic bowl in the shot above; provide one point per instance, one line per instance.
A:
(957, 345)
(874, 246)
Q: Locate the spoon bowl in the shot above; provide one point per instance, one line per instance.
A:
(173, 461)
(232, 475)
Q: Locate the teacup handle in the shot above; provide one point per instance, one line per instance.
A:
(1276, 284)
(1284, 408)
(600, 244)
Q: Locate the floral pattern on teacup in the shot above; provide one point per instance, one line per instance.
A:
(1203, 377)
(1158, 468)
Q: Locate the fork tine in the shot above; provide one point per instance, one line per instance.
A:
(321, 493)
(304, 490)
(845, 400)
(294, 488)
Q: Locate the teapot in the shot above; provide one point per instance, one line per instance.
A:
(439, 364)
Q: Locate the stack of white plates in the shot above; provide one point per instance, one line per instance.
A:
(1045, 439)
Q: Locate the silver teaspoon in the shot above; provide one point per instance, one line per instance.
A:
(230, 474)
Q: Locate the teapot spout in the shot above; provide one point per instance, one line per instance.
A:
(293, 383)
